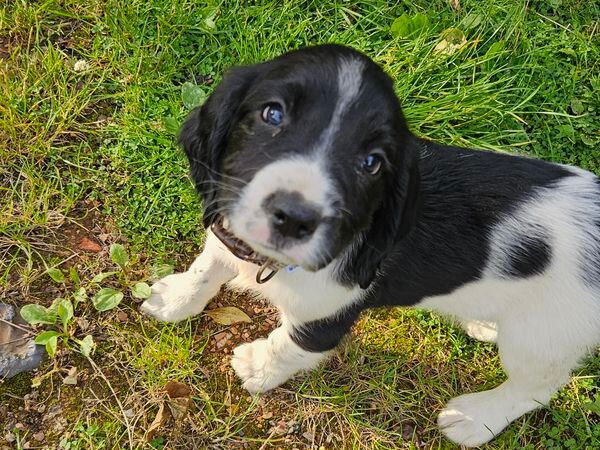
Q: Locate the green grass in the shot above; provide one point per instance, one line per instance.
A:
(93, 150)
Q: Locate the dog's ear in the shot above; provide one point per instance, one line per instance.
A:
(205, 132)
(394, 219)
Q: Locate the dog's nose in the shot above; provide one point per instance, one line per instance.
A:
(291, 216)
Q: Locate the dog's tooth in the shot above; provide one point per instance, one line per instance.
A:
(226, 223)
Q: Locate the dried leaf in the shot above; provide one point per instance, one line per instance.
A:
(161, 418)
(71, 378)
(174, 389)
(179, 399)
(453, 40)
(455, 5)
(228, 315)
(177, 404)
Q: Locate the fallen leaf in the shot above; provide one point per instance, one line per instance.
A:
(161, 418)
(455, 5)
(308, 436)
(228, 315)
(179, 399)
(71, 377)
(453, 40)
(175, 389)
(89, 245)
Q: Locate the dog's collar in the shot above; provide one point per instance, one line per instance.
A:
(243, 251)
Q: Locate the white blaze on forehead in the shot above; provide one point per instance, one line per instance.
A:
(349, 81)
(297, 174)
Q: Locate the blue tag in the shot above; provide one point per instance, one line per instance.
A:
(290, 269)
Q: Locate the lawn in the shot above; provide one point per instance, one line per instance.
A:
(91, 95)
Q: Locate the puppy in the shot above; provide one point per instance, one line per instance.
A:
(318, 198)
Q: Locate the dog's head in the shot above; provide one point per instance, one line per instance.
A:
(304, 155)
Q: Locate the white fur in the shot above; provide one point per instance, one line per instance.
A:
(266, 363)
(349, 81)
(481, 330)
(179, 296)
(543, 324)
(250, 222)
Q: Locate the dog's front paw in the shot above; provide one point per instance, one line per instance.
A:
(174, 298)
(473, 419)
(253, 365)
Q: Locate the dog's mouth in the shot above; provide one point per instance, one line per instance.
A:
(268, 267)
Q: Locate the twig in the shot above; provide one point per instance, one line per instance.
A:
(26, 330)
(262, 447)
(16, 340)
(127, 425)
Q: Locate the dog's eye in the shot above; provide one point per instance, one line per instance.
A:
(372, 163)
(273, 114)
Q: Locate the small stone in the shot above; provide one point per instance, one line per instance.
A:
(89, 245)
(280, 428)
(122, 316)
(308, 436)
(39, 436)
(41, 408)
(222, 338)
(267, 415)
(19, 426)
(27, 445)
(129, 413)
(9, 437)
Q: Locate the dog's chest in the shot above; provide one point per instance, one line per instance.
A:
(301, 295)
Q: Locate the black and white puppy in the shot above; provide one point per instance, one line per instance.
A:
(308, 161)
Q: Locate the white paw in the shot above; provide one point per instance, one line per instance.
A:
(253, 365)
(174, 298)
(473, 419)
(482, 330)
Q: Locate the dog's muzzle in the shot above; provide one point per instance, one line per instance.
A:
(244, 252)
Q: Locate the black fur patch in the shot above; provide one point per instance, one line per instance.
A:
(529, 256)
(325, 334)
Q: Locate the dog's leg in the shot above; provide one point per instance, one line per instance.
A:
(179, 296)
(264, 364)
(538, 362)
(293, 347)
(481, 330)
